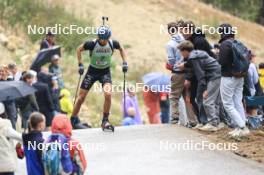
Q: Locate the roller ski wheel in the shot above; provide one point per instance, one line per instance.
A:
(106, 126)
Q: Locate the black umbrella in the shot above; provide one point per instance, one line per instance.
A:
(10, 90)
(44, 56)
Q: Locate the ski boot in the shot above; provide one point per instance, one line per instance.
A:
(76, 123)
(106, 126)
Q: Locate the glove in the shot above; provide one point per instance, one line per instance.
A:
(81, 68)
(19, 151)
(125, 67)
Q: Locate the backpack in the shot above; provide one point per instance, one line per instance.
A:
(56, 157)
(255, 122)
(241, 61)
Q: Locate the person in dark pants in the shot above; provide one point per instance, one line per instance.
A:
(44, 101)
(55, 94)
(101, 51)
(28, 104)
(200, 43)
(164, 107)
(34, 136)
(207, 71)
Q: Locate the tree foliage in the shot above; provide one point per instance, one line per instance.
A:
(246, 9)
(24, 13)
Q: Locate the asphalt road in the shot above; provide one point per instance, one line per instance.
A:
(158, 150)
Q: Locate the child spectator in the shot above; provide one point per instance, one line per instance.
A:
(56, 70)
(61, 125)
(208, 73)
(261, 75)
(131, 101)
(130, 118)
(31, 142)
(66, 102)
(8, 157)
(178, 77)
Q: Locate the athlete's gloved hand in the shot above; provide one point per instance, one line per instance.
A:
(125, 67)
(81, 68)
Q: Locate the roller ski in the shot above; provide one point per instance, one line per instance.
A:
(76, 123)
(106, 126)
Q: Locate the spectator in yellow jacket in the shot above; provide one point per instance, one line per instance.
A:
(66, 102)
(261, 75)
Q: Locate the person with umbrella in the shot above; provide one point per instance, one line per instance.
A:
(155, 83)
(10, 105)
(27, 104)
(44, 56)
(101, 51)
(48, 42)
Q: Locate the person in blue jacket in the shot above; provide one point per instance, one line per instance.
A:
(31, 143)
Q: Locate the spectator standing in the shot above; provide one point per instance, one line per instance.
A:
(8, 156)
(178, 76)
(13, 69)
(44, 100)
(56, 70)
(10, 105)
(253, 77)
(48, 42)
(231, 87)
(198, 39)
(164, 107)
(66, 104)
(28, 104)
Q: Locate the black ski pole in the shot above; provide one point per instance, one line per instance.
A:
(124, 93)
(77, 89)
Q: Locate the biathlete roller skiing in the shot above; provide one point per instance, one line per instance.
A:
(101, 51)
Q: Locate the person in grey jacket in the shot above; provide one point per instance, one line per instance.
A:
(208, 73)
(177, 78)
